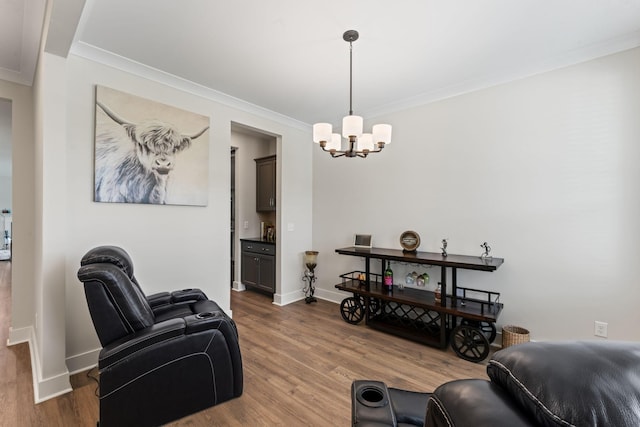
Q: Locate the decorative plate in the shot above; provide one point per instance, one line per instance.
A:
(409, 240)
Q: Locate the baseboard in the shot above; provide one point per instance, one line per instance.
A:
(323, 294)
(238, 286)
(43, 388)
(285, 299)
(18, 336)
(330, 295)
(83, 362)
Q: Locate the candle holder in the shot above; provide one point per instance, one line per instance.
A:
(310, 261)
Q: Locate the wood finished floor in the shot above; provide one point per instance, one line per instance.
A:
(299, 363)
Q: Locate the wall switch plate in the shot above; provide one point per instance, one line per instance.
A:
(245, 225)
(601, 329)
(291, 226)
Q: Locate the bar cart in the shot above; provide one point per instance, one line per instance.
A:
(464, 317)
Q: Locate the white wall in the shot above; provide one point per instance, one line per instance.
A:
(172, 246)
(22, 293)
(50, 224)
(544, 169)
(56, 220)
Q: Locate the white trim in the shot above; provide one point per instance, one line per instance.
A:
(238, 286)
(43, 388)
(595, 51)
(32, 19)
(286, 299)
(104, 57)
(330, 295)
(83, 362)
(323, 294)
(20, 335)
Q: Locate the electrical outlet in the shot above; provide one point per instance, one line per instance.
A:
(601, 329)
(245, 225)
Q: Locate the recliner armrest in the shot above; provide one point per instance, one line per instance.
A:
(474, 403)
(204, 321)
(188, 295)
(410, 407)
(130, 344)
(371, 405)
(161, 298)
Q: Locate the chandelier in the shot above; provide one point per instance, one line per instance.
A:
(359, 144)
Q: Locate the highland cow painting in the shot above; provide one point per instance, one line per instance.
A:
(148, 152)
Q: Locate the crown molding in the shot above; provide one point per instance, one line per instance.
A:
(110, 59)
(577, 56)
(32, 21)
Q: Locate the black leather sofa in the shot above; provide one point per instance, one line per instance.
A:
(580, 383)
(164, 356)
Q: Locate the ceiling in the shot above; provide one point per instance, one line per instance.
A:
(288, 56)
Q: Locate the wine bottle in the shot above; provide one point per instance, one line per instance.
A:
(388, 279)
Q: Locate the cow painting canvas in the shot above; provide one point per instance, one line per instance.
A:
(148, 152)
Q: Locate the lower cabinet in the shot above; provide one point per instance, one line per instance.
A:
(258, 266)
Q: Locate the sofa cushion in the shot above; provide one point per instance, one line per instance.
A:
(580, 383)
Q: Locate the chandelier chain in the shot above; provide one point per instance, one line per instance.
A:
(350, 78)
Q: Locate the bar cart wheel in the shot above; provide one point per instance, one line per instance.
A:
(487, 328)
(352, 310)
(469, 343)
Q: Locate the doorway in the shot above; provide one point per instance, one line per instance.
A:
(6, 178)
(248, 145)
(233, 213)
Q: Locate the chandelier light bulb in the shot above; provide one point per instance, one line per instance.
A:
(335, 142)
(322, 132)
(365, 142)
(382, 133)
(352, 126)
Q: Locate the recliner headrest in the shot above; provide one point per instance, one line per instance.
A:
(112, 255)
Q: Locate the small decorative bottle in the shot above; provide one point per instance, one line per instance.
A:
(388, 279)
(438, 294)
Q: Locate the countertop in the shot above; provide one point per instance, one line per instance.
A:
(258, 240)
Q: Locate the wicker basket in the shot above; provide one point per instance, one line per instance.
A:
(512, 335)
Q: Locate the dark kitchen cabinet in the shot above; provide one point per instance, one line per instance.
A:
(258, 265)
(266, 184)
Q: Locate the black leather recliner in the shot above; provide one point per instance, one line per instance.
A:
(164, 356)
(578, 383)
